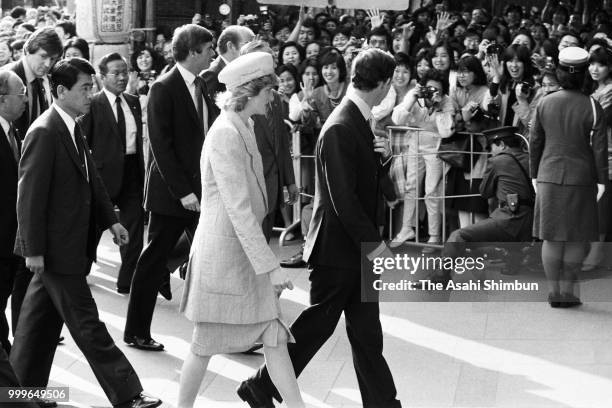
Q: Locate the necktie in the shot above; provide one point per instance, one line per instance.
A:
(121, 122)
(39, 100)
(12, 136)
(80, 149)
(199, 101)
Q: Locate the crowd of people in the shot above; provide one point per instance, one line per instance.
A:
(192, 135)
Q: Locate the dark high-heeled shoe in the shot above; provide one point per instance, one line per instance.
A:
(554, 300)
(569, 300)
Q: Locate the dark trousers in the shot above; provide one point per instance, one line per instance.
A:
(50, 300)
(8, 269)
(331, 293)
(131, 216)
(23, 276)
(152, 270)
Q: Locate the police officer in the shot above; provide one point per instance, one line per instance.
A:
(506, 180)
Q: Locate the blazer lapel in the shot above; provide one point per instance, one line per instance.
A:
(4, 144)
(108, 113)
(248, 137)
(183, 92)
(67, 141)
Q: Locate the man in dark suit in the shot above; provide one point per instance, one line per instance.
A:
(348, 171)
(40, 52)
(179, 115)
(12, 105)
(61, 202)
(272, 136)
(113, 129)
(230, 41)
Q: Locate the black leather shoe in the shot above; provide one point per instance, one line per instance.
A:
(165, 290)
(45, 403)
(569, 300)
(143, 344)
(123, 291)
(295, 261)
(141, 401)
(252, 395)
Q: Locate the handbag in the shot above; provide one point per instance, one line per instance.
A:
(455, 151)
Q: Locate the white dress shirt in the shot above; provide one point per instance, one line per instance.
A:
(6, 126)
(130, 123)
(70, 124)
(189, 79)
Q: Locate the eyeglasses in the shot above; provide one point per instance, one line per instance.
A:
(118, 74)
(19, 94)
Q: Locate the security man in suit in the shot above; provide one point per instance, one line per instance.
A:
(179, 115)
(61, 202)
(41, 50)
(113, 128)
(506, 181)
(12, 105)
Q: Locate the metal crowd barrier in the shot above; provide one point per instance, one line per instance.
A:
(393, 132)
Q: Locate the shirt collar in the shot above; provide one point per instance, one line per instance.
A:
(112, 98)
(188, 77)
(70, 123)
(364, 108)
(28, 71)
(6, 126)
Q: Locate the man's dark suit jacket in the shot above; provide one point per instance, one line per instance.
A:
(211, 76)
(100, 129)
(176, 136)
(23, 123)
(8, 198)
(56, 205)
(273, 139)
(348, 172)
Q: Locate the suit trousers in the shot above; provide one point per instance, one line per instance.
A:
(332, 292)
(50, 300)
(131, 216)
(8, 269)
(152, 270)
(23, 276)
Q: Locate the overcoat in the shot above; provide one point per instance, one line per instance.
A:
(228, 275)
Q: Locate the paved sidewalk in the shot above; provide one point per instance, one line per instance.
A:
(460, 354)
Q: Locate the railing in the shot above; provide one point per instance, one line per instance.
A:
(393, 132)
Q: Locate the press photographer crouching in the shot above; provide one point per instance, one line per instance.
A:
(506, 180)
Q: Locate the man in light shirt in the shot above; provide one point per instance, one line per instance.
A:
(113, 128)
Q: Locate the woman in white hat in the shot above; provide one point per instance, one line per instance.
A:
(234, 279)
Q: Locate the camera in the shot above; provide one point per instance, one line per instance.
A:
(146, 76)
(526, 88)
(493, 110)
(427, 92)
(494, 49)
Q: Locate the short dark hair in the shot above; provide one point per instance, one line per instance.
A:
(288, 44)
(17, 45)
(310, 23)
(44, 38)
(449, 50)
(571, 80)
(381, 32)
(189, 37)
(18, 12)
(402, 59)
(68, 26)
(310, 62)
(103, 63)
(333, 56)
(472, 64)
(66, 73)
(371, 67)
(158, 60)
(294, 73)
(435, 75)
(78, 43)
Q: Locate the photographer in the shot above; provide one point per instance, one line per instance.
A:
(512, 89)
(428, 107)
